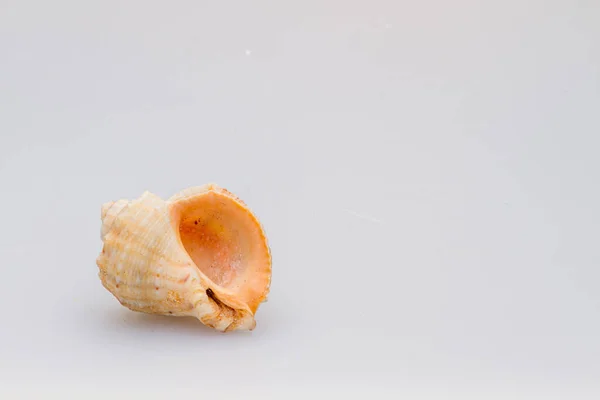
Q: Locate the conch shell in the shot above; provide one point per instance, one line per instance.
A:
(201, 253)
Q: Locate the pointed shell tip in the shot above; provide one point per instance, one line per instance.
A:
(106, 207)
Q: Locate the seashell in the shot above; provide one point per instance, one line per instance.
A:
(201, 253)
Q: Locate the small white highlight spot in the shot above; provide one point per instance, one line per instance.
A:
(248, 52)
(388, 26)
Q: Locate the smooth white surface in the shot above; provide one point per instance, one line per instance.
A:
(427, 173)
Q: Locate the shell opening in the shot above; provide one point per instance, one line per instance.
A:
(226, 243)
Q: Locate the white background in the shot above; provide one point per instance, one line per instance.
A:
(426, 171)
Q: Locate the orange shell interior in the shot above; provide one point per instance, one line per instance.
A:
(227, 243)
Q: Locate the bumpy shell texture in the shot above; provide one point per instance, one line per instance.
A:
(201, 253)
